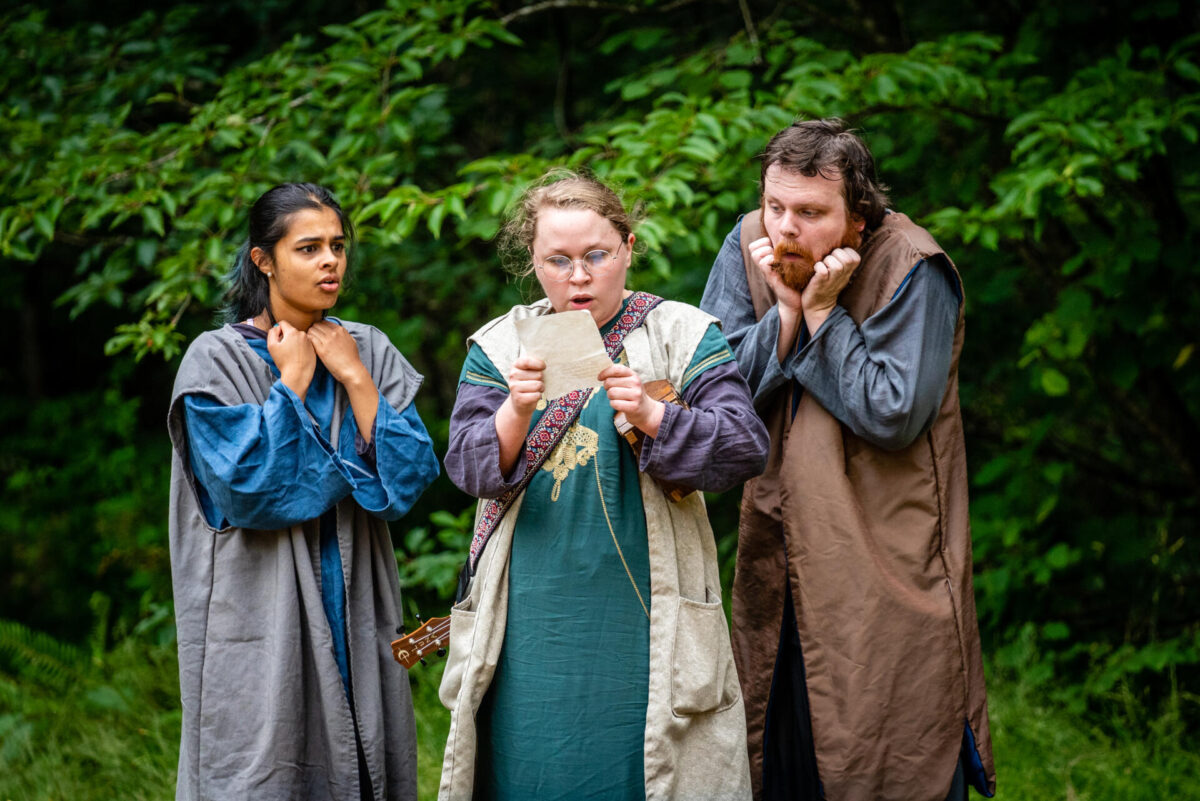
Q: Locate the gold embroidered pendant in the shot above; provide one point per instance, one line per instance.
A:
(577, 448)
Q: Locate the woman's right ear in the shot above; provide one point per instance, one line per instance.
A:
(262, 261)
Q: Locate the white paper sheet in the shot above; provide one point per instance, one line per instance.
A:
(570, 345)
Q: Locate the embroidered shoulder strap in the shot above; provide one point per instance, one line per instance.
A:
(553, 424)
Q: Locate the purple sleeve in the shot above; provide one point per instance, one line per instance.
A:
(473, 455)
(716, 444)
(365, 450)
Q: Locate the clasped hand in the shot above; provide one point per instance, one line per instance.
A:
(296, 352)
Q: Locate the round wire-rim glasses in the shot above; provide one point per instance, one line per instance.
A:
(594, 262)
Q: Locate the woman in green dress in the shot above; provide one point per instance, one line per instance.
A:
(590, 657)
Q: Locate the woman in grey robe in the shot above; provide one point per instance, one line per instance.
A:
(295, 440)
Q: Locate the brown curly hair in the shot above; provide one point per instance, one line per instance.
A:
(829, 148)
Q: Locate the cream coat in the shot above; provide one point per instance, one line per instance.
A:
(695, 746)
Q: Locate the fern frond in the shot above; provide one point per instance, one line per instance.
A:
(10, 694)
(37, 657)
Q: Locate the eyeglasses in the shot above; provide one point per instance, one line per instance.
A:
(594, 262)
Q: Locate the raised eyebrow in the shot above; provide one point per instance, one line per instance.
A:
(804, 205)
(304, 240)
(584, 251)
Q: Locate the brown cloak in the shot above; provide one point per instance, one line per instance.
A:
(878, 554)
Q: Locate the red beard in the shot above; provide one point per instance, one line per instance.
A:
(797, 272)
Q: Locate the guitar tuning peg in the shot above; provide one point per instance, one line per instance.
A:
(400, 630)
(441, 652)
(423, 662)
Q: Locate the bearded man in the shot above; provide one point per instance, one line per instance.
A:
(854, 623)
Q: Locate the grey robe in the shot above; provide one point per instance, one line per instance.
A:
(265, 714)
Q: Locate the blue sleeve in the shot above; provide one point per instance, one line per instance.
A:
(263, 467)
(392, 472)
(727, 297)
(885, 379)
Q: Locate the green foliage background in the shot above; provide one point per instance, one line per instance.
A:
(1051, 147)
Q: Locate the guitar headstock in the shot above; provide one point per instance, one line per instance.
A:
(433, 636)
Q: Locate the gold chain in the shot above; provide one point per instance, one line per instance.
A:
(604, 506)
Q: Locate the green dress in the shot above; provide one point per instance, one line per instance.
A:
(565, 715)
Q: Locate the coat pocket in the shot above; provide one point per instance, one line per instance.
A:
(462, 634)
(703, 677)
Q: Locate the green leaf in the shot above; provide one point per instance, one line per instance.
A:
(1046, 506)
(1187, 70)
(736, 79)
(1056, 630)
(1184, 356)
(1127, 171)
(506, 36)
(1054, 383)
(306, 150)
(635, 90)
(339, 31)
(154, 220)
(44, 225)
(887, 87)
(434, 221)
(1060, 556)
(991, 471)
(443, 518)
(147, 249)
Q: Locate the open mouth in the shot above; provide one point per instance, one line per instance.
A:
(580, 301)
(330, 284)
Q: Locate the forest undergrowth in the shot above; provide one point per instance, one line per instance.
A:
(96, 724)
